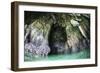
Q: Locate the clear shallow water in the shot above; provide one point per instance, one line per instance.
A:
(80, 55)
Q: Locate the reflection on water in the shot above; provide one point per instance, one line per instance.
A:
(85, 54)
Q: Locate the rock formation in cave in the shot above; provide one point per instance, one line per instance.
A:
(65, 33)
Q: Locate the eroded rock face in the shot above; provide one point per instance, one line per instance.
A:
(37, 46)
(77, 44)
(68, 33)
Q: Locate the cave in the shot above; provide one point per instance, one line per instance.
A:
(57, 38)
(66, 37)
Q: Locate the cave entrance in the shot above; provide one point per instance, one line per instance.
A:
(57, 38)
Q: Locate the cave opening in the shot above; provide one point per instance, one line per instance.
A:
(57, 38)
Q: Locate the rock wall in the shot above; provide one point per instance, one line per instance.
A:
(64, 32)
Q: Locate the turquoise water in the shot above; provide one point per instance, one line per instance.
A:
(80, 55)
